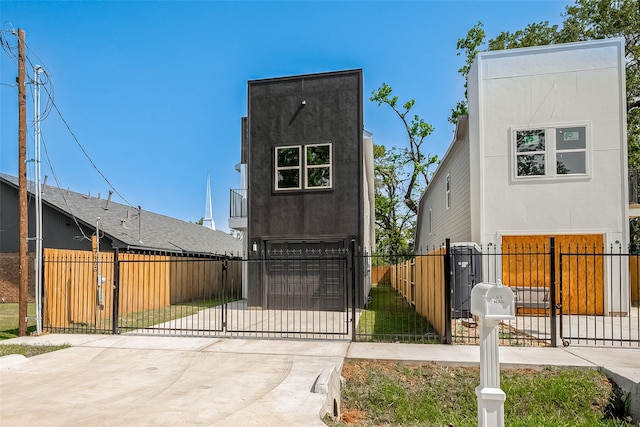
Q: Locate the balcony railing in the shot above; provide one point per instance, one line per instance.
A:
(238, 203)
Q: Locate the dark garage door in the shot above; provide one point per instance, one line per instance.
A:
(306, 276)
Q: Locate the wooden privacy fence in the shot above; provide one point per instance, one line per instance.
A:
(78, 285)
(634, 279)
(381, 274)
(421, 281)
(70, 284)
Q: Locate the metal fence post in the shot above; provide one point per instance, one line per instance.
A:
(224, 297)
(552, 278)
(447, 292)
(116, 292)
(353, 290)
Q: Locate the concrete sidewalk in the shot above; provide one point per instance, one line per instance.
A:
(146, 380)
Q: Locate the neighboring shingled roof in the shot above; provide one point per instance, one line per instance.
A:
(131, 229)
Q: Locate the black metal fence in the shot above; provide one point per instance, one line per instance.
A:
(407, 299)
(296, 293)
(600, 301)
(113, 292)
(528, 270)
(564, 294)
(278, 294)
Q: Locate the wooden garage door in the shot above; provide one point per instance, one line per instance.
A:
(525, 262)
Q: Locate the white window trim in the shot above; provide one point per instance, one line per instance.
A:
(430, 222)
(278, 168)
(550, 153)
(328, 165)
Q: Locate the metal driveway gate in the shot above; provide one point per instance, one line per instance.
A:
(205, 297)
(599, 296)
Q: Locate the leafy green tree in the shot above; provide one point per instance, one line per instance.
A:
(413, 157)
(584, 20)
(469, 46)
(395, 223)
(401, 176)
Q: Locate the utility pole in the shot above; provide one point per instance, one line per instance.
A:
(38, 191)
(22, 189)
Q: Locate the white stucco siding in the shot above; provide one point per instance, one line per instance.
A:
(551, 207)
(548, 88)
(550, 59)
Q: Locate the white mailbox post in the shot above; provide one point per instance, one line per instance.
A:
(491, 304)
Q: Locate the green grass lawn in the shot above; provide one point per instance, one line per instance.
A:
(141, 319)
(396, 394)
(389, 317)
(29, 350)
(127, 321)
(147, 318)
(9, 329)
(9, 320)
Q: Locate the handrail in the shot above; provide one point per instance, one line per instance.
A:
(238, 203)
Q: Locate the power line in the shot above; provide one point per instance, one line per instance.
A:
(55, 107)
(8, 50)
(47, 81)
(66, 202)
(51, 105)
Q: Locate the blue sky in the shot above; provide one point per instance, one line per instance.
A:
(154, 90)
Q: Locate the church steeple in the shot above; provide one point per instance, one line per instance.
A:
(208, 215)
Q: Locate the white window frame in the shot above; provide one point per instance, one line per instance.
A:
(277, 168)
(308, 167)
(550, 153)
(447, 194)
(430, 222)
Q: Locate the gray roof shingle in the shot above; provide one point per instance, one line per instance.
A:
(136, 229)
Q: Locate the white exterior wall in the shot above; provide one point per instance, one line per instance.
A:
(561, 85)
(369, 237)
(455, 222)
(581, 84)
(369, 194)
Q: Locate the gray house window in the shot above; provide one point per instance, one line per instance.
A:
(288, 168)
(551, 152)
(530, 152)
(571, 151)
(292, 173)
(318, 166)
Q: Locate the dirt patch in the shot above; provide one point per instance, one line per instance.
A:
(467, 331)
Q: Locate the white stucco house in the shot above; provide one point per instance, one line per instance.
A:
(542, 153)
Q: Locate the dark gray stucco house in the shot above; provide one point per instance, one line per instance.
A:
(307, 178)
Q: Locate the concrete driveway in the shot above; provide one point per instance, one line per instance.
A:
(124, 380)
(141, 381)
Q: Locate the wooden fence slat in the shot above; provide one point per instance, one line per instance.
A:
(420, 281)
(147, 282)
